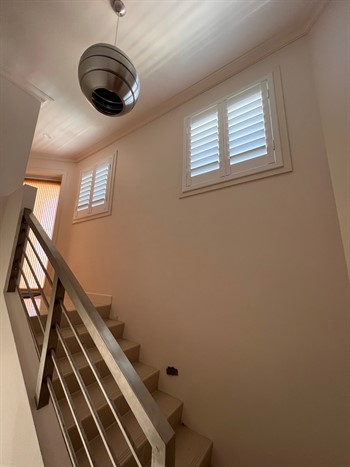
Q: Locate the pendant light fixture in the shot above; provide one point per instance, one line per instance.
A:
(107, 76)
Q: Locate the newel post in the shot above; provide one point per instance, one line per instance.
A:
(17, 257)
(46, 366)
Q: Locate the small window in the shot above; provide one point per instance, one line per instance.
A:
(235, 138)
(95, 191)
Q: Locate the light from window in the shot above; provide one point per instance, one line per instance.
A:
(95, 189)
(233, 138)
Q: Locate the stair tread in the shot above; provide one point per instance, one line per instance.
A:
(167, 404)
(191, 448)
(144, 372)
(95, 355)
(81, 329)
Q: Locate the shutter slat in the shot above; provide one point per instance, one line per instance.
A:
(204, 161)
(250, 138)
(204, 147)
(99, 193)
(233, 111)
(242, 157)
(209, 140)
(205, 169)
(236, 120)
(102, 183)
(204, 127)
(212, 130)
(248, 130)
(259, 143)
(249, 122)
(207, 153)
(245, 98)
(203, 119)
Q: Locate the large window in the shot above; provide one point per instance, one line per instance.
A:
(95, 191)
(45, 209)
(235, 138)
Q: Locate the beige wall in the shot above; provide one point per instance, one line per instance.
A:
(243, 289)
(18, 442)
(18, 116)
(330, 49)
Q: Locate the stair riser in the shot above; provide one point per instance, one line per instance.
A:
(144, 449)
(88, 376)
(105, 414)
(73, 316)
(116, 330)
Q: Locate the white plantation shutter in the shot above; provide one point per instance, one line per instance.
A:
(233, 138)
(94, 196)
(246, 126)
(85, 191)
(99, 192)
(204, 136)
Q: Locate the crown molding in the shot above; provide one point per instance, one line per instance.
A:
(56, 158)
(26, 86)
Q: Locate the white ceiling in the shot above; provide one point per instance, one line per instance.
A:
(173, 44)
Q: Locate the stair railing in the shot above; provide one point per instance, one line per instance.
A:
(154, 425)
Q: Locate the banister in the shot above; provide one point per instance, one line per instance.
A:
(155, 427)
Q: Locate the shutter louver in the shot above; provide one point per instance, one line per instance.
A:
(246, 126)
(204, 142)
(99, 196)
(85, 191)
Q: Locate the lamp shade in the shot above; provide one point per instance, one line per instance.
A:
(108, 79)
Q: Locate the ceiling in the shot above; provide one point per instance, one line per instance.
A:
(173, 45)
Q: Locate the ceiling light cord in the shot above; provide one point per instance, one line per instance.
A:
(116, 32)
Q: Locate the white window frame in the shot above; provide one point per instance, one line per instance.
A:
(102, 207)
(227, 174)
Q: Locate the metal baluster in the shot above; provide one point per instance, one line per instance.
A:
(46, 366)
(62, 424)
(73, 411)
(88, 400)
(99, 381)
(40, 262)
(14, 273)
(32, 298)
(36, 280)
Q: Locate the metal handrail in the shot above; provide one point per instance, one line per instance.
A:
(156, 428)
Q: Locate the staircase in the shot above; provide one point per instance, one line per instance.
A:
(191, 449)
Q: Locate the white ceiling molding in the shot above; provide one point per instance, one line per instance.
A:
(26, 86)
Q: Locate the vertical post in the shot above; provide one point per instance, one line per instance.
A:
(14, 272)
(46, 366)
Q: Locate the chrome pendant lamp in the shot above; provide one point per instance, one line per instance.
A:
(107, 76)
